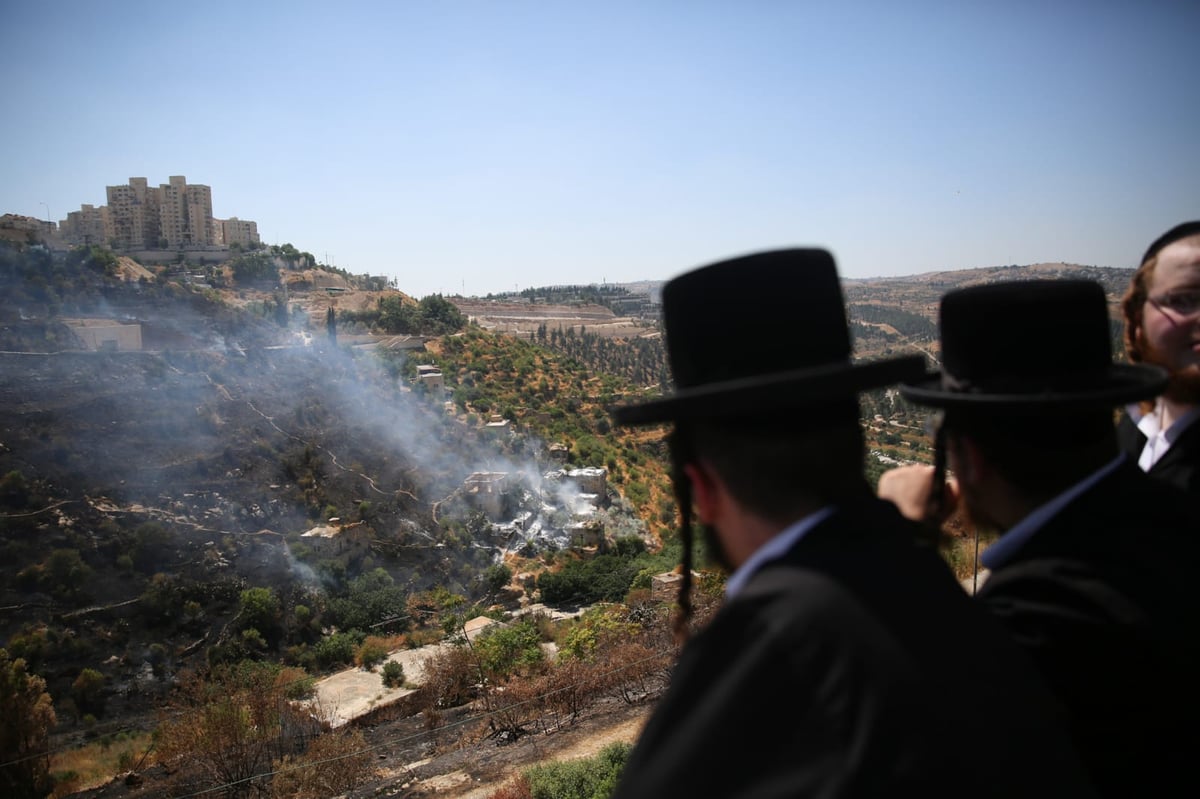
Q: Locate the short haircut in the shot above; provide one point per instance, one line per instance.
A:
(778, 465)
(1041, 453)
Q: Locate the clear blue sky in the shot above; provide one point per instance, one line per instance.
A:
(481, 146)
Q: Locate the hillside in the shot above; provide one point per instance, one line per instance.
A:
(915, 297)
(244, 485)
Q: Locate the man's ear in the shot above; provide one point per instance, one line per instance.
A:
(965, 459)
(1139, 340)
(705, 493)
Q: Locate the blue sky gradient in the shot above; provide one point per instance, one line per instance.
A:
(474, 147)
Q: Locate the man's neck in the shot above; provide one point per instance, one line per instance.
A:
(1172, 410)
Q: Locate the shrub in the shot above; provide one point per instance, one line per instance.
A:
(586, 778)
(371, 652)
(393, 674)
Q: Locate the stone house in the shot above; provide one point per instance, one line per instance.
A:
(334, 540)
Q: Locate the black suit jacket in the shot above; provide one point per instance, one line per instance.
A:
(854, 667)
(1180, 464)
(1104, 598)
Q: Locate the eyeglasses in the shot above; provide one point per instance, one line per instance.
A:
(1184, 303)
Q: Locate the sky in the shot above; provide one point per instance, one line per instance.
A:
(479, 147)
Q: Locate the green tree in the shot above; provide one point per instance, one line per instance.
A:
(396, 315)
(93, 257)
(25, 733)
(606, 578)
(373, 600)
(496, 577)
(255, 267)
(336, 650)
(260, 610)
(65, 572)
(598, 628)
(437, 316)
(504, 650)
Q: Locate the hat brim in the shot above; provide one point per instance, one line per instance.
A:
(1122, 383)
(793, 389)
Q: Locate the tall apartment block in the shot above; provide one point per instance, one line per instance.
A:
(133, 216)
(171, 216)
(185, 214)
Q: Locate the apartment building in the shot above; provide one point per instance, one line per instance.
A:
(133, 215)
(88, 225)
(237, 231)
(170, 216)
(185, 214)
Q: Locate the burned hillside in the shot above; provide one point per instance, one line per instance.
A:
(144, 493)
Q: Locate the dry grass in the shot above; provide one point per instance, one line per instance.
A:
(98, 762)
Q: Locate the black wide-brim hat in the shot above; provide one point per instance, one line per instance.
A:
(759, 333)
(1181, 231)
(1030, 344)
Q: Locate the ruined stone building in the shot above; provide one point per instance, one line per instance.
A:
(590, 480)
(334, 540)
(498, 425)
(430, 376)
(486, 490)
(586, 533)
(590, 484)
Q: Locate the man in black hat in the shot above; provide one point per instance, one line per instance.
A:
(845, 660)
(1091, 572)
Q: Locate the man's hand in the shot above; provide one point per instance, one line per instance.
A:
(909, 487)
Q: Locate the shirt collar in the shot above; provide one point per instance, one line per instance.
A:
(773, 550)
(1158, 441)
(1007, 546)
(1147, 423)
